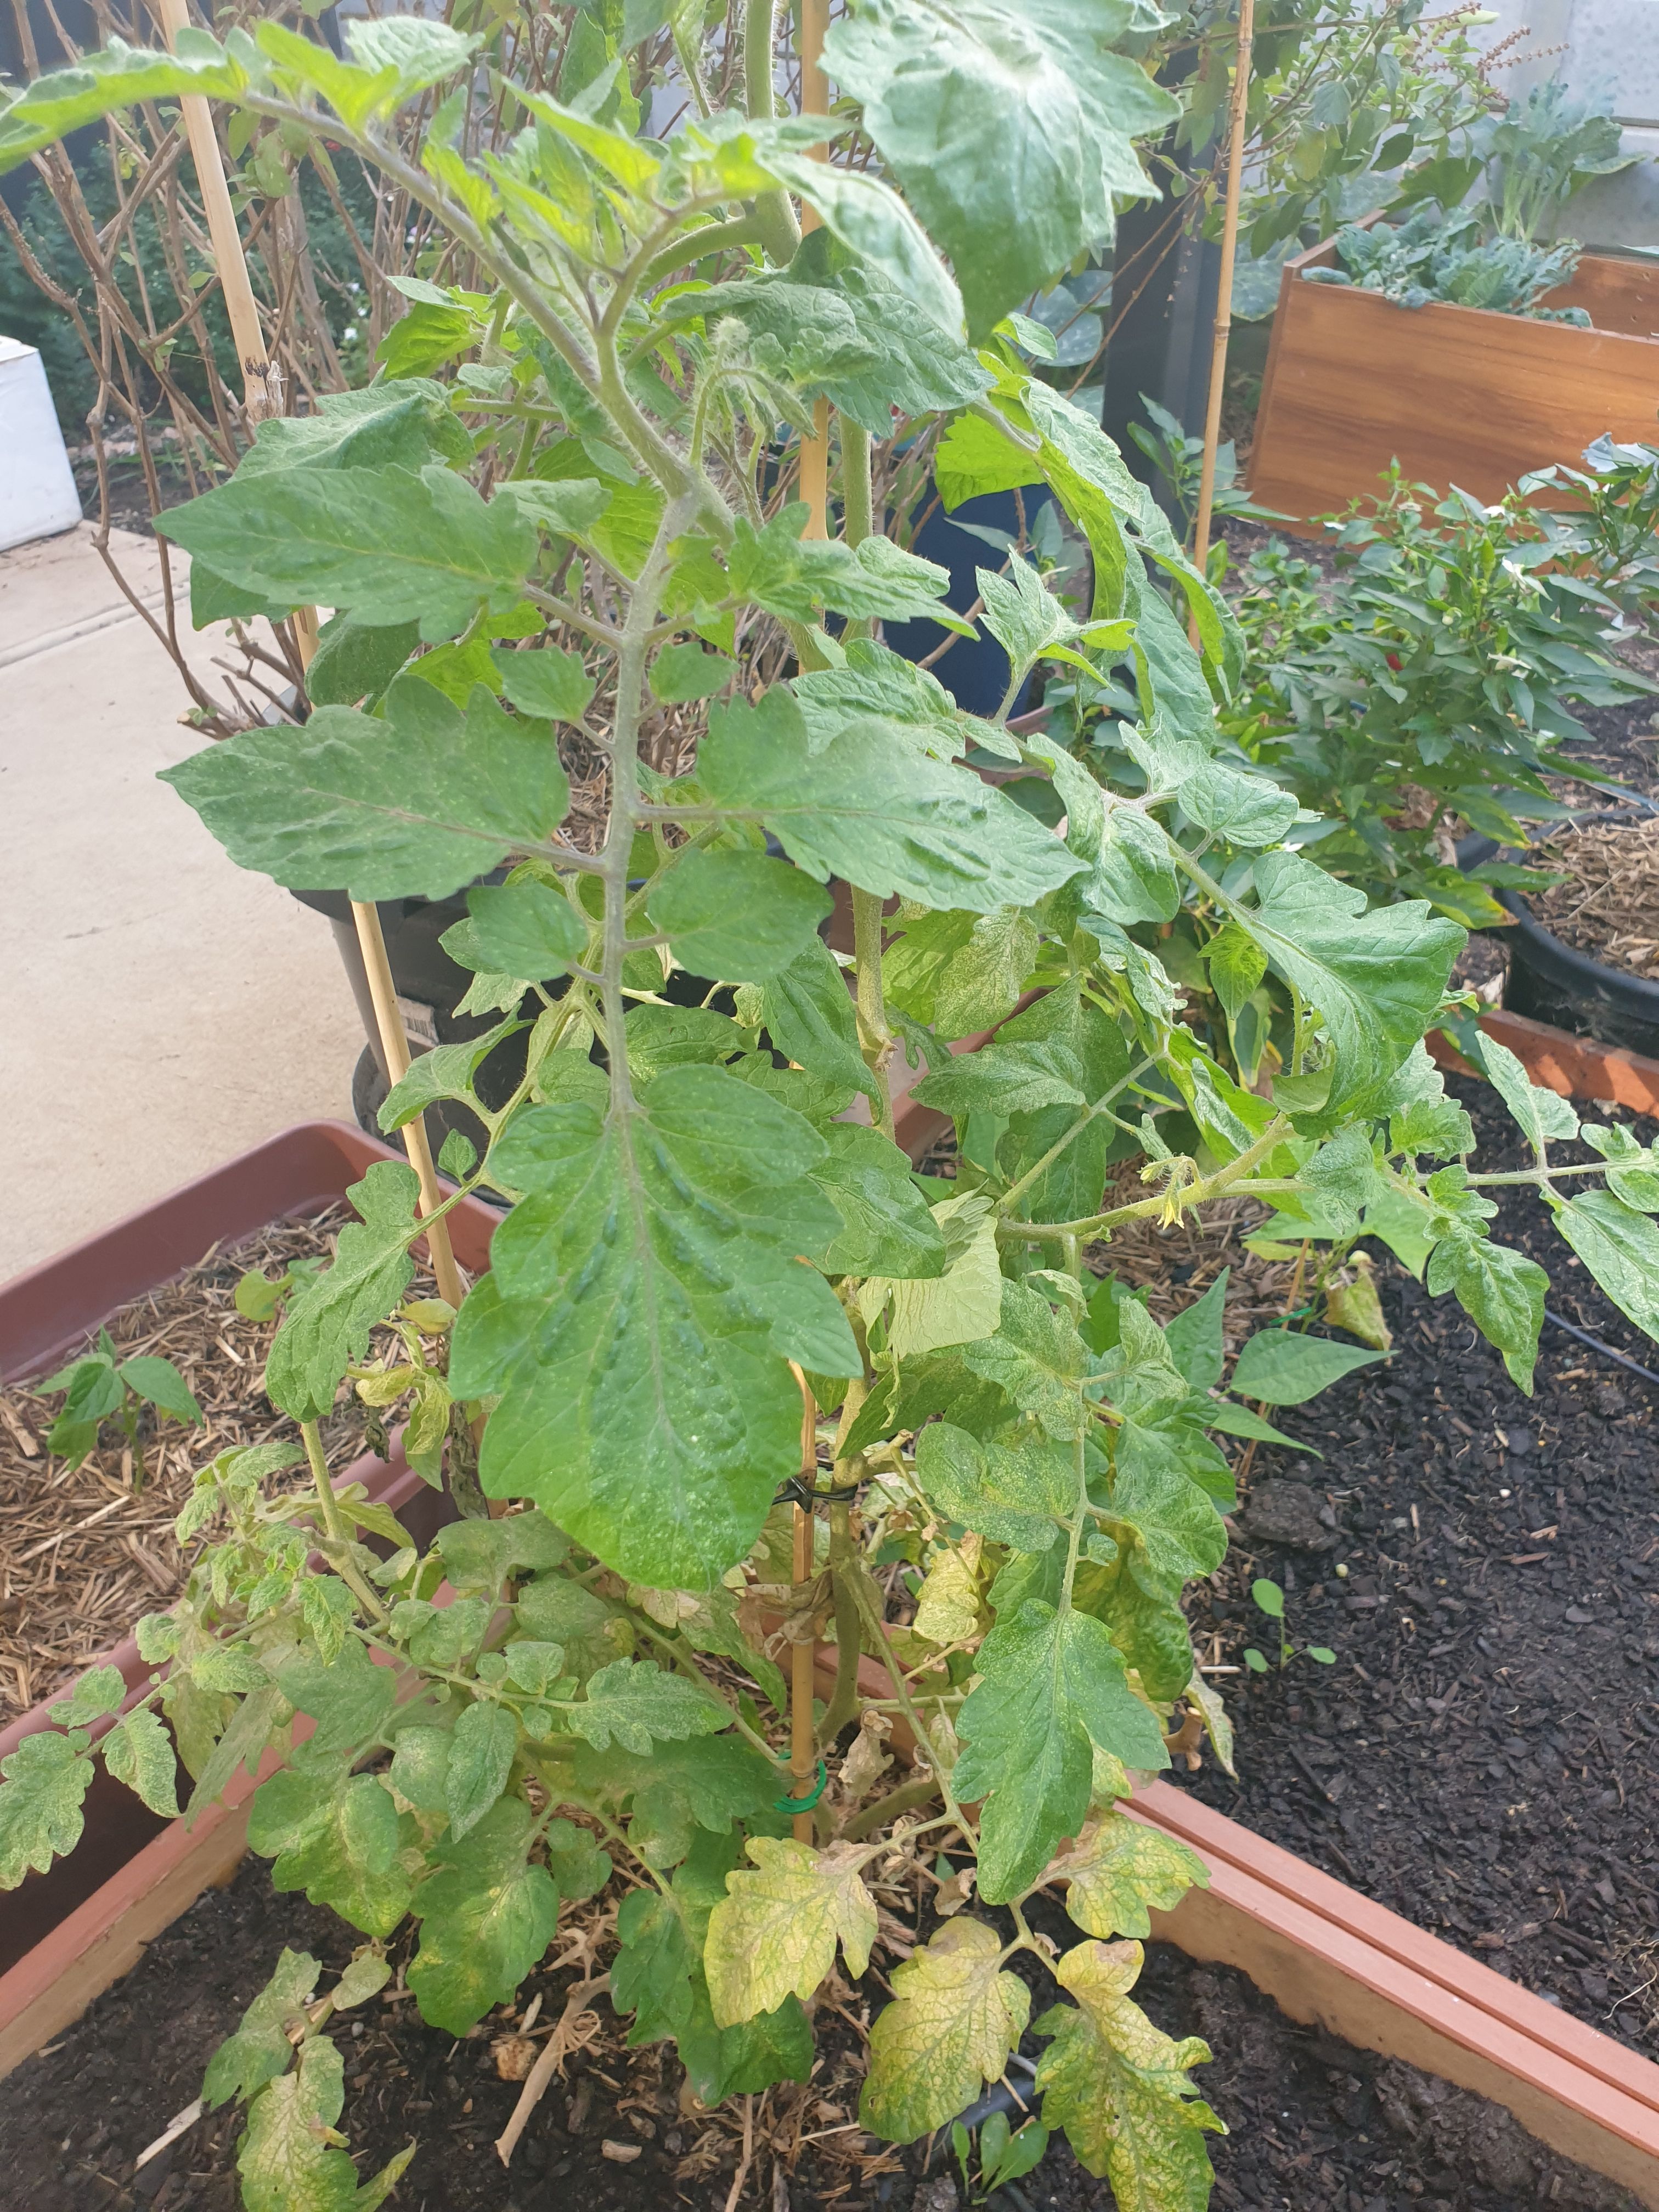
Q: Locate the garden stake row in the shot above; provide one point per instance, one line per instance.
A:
(263, 392)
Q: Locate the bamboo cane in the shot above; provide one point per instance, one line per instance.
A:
(803, 1762)
(815, 101)
(262, 389)
(1223, 318)
(815, 490)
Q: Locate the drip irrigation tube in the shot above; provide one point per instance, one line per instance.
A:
(1595, 1344)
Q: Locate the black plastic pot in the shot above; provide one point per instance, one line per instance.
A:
(975, 670)
(431, 985)
(1552, 981)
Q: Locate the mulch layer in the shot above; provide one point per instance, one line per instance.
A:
(83, 1553)
(1315, 2126)
(1483, 1756)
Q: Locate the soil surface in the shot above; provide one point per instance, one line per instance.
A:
(85, 1553)
(1314, 2124)
(1483, 1757)
(130, 501)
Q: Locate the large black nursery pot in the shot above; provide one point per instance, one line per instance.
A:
(974, 670)
(1552, 981)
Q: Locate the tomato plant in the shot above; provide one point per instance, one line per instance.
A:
(578, 542)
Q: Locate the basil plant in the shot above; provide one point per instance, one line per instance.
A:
(579, 550)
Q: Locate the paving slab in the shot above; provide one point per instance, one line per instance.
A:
(160, 1010)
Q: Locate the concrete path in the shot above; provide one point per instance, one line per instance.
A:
(159, 1010)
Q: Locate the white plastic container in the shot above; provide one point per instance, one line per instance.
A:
(37, 497)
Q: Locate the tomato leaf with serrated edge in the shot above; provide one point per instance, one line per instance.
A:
(662, 1459)
(1120, 1871)
(486, 1915)
(776, 1929)
(1119, 2087)
(956, 2015)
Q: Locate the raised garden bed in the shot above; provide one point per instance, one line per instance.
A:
(68, 1933)
(1457, 395)
(1483, 1756)
(1312, 2118)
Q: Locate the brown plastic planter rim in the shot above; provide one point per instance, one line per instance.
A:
(1319, 1948)
(88, 1944)
(1576, 1067)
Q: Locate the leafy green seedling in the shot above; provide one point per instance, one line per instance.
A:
(1270, 1598)
(258, 1297)
(99, 1386)
(1004, 2155)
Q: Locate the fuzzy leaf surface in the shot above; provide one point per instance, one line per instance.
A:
(1120, 2087)
(387, 544)
(891, 822)
(1052, 1685)
(1121, 1870)
(326, 1328)
(486, 1918)
(776, 1929)
(46, 1779)
(645, 1298)
(956, 2015)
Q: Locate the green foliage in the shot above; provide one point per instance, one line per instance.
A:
(1432, 256)
(1544, 147)
(939, 86)
(1436, 683)
(563, 521)
(100, 1386)
(1610, 536)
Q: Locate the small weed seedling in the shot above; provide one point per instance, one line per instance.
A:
(1005, 2156)
(1270, 1598)
(258, 1297)
(98, 1386)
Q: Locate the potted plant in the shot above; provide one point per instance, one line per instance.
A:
(1459, 344)
(711, 1296)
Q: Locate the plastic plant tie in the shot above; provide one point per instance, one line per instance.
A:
(798, 1492)
(804, 1804)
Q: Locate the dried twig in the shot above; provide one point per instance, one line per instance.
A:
(741, 2173)
(554, 2051)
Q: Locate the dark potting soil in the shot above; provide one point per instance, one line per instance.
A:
(1315, 2125)
(1483, 1756)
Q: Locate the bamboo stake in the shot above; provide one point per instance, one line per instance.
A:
(1224, 316)
(803, 1757)
(262, 383)
(815, 101)
(815, 490)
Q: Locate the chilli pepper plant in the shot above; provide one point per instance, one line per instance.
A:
(712, 1291)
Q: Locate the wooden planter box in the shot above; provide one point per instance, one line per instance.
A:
(67, 1934)
(1458, 395)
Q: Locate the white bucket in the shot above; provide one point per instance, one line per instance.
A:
(37, 497)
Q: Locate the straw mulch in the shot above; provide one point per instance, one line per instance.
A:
(1609, 905)
(80, 1556)
(1177, 1266)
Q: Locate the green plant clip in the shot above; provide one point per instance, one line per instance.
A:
(804, 1804)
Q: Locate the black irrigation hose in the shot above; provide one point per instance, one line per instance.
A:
(1595, 1344)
